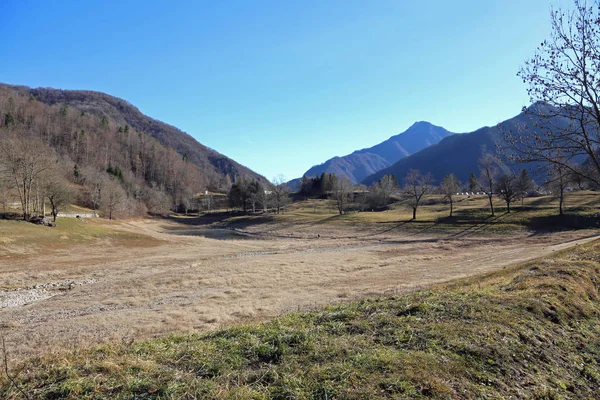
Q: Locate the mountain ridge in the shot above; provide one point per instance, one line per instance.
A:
(361, 163)
(459, 154)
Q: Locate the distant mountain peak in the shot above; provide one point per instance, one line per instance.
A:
(420, 124)
(364, 162)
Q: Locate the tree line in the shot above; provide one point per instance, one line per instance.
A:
(491, 181)
(249, 194)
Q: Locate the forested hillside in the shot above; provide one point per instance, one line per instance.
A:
(94, 141)
(214, 165)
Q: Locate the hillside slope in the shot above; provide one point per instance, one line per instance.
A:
(364, 162)
(531, 331)
(459, 154)
(124, 113)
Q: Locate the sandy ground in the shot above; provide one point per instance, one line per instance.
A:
(83, 295)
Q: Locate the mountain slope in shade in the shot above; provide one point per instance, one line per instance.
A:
(362, 163)
(124, 113)
(460, 154)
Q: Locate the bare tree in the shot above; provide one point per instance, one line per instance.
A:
(524, 185)
(558, 183)
(449, 187)
(507, 188)
(58, 193)
(23, 161)
(342, 192)
(487, 180)
(158, 202)
(388, 184)
(113, 198)
(563, 81)
(263, 198)
(94, 181)
(361, 196)
(416, 186)
(5, 189)
(279, 193)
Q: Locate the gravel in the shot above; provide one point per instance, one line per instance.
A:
(17, 298)
(30, 294)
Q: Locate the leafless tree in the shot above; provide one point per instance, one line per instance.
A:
(263, 199)
(563, 81)
(558, 182)
(279, 193)
(416, 186)
(342, 192)
(58, 192)
(113, 198)
(507, 188)
(158, 202)
(524, 185)
(94, 181)
(361, 196)
(449, 187)
(23, 161)
(5, 189)
(487, 180)
(388, 184)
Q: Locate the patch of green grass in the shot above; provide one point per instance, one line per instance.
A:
(531, 331)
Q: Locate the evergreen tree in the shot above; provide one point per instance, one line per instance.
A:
(9, 120)
(473, 184)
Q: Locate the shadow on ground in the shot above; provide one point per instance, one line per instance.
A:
(565, 221)
(236, 220)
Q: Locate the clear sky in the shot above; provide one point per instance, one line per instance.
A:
(282, 85)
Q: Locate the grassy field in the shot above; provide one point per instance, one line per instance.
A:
(531, 331)
(68, 231)
(470, 213)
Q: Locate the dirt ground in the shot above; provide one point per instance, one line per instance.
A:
(84, 294)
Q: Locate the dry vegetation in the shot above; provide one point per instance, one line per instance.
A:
(103, 281)
(528, 331)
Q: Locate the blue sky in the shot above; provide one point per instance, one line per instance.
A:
(282, 85)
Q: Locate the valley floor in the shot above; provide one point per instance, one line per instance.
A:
(93, 282)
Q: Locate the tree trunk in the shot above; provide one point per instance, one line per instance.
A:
(508, 206)
(414, 213)
(491, 205)
(560, 203)
(451, 207)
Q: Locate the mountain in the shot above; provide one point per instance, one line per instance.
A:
(459, 154)
(362, 163)
(124, 113)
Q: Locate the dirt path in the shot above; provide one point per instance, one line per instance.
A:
(106, 292)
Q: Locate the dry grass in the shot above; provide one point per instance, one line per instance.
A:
(313, 216)
(528, 331)
(141, 281)
(144, 282)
